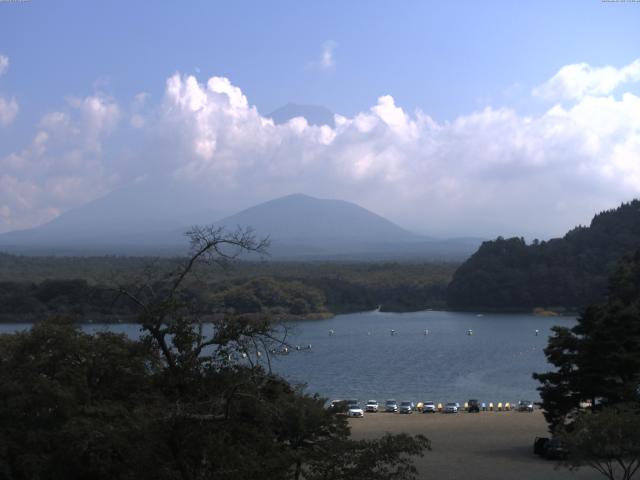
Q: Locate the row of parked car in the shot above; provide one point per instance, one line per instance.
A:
(353, 409)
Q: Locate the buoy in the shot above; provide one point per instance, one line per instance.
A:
(426, 332)
(469, 332)
(537, 332)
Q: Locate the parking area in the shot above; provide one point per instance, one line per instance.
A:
(485, 445)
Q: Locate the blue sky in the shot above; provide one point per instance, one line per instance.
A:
(446, 59)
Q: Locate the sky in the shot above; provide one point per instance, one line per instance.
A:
(452, 118)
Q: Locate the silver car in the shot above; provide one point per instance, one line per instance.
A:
(391, 406)
(372, 406)
(451, 407)
(406, 407)
(429, 407)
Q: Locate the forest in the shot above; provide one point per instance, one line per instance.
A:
(565, 273)
(86, 288)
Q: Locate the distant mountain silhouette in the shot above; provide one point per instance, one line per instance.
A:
(150, 219)
(301, 217)
(315, 115)
(142, 214)
(305, 228)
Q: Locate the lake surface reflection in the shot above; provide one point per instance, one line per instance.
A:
(363, 360)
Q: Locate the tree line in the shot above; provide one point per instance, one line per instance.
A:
(178, 403)
(569, 272)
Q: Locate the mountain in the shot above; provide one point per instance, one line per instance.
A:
(315, 115)
(150, 218)
(569, 272)
(301, 217)
(306, 228)
(131, 219)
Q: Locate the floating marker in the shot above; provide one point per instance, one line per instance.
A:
(426, 332)
(469, 332)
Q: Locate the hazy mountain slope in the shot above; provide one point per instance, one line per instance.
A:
(148, 212)
(571, 271)
(315, 115)
(151, 218)
(306, 228)
(303, 218)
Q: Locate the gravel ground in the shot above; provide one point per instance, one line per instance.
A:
(487, 445)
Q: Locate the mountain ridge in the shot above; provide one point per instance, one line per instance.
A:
(568, 272)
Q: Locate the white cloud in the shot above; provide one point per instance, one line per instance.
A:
(8, 111)
(62, 166)
(576, 81)
(4, 64)
(8, 107)
(488, 172)
(327, 60)
(478, 173)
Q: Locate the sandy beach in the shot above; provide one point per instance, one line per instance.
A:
(483, 446)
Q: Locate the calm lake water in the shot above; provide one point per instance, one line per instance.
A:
(363, 360)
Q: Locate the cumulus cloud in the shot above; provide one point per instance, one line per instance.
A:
(576, 81)
(61, 167)
(8, 111)
(478, 173)
(327, 60)
(4, 64)
(8, 107)
(488, 172)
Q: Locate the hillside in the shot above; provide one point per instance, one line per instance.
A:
(569, 272)
(150, 213)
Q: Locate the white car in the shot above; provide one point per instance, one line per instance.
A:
(372, 406)
(451, 407)
(429, 407)
(354, 410)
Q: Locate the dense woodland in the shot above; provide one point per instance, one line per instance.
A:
(86, 288)
(175, 404)
(568, 272)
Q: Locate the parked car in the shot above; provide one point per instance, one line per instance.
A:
(473, 405)
(525, 406)
(339, 406)
(550, 448)
(429, 407)
(451, 407)
(371, 406)
(354, 409)
(391, 406)
(406, 407)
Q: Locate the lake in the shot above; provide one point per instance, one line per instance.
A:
(363, 360)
